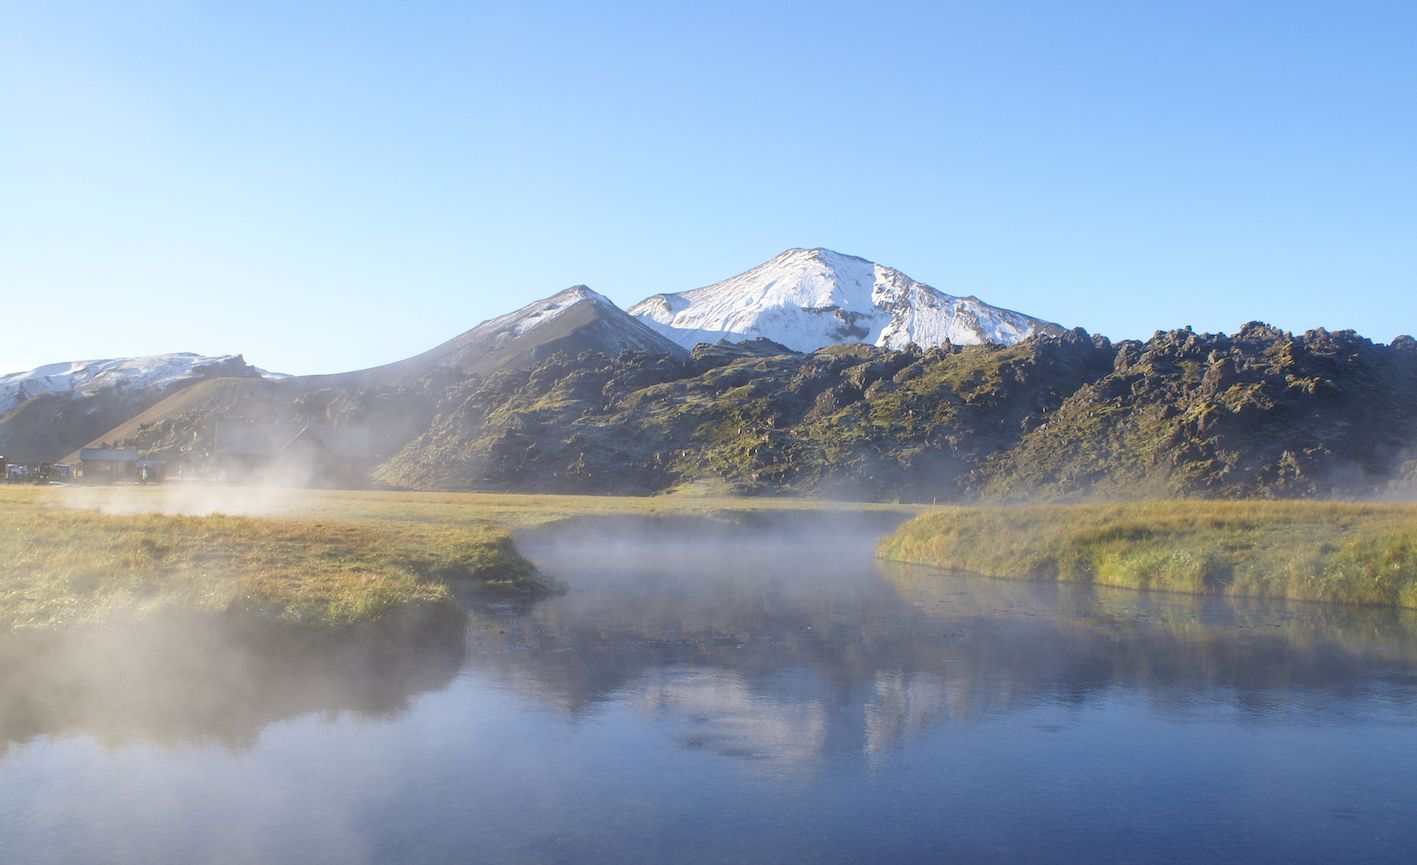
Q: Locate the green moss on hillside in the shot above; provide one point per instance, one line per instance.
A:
(1263, 413)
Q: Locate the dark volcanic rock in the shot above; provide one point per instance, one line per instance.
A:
(1261, 413)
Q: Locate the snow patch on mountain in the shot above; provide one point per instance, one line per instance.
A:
(630, 335)
(85, 377)
(547, 310)
(809, 298)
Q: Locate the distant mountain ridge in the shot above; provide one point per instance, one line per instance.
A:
(575, 319)
(814, 373)
(90, 376)
(395, 401)
(49, 411)
(1264, 413)
(803, 299)
(807, 299)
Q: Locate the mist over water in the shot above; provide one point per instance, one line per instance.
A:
(206, 678)
(758, 694)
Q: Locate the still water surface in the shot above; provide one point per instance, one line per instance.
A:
(751, 698)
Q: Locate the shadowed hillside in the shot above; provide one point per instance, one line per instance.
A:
(394, 402)
(48, 425)
(1262, 413)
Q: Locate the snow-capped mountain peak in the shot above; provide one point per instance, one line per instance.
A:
(809, 298)
(544, 311)
(91, 376)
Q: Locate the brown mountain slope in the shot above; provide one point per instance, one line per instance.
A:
(51, 427)
(394, 402)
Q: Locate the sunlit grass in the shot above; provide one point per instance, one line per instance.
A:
(71, 554)
(90, 553)
(1316, 551)
(507, 510)
(60, 565)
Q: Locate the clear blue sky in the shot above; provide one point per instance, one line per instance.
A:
(343, 184)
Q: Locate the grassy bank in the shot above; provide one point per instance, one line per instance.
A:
(1316, 551)
(82, 554)
(89, 554)
(60, 565)
(507, 510)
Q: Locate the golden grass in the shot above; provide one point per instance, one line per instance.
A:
(507, 510)
(1316, 551)
(320, 556)
(59, 564)
(79, 554)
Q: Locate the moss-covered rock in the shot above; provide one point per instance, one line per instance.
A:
(1261, 413)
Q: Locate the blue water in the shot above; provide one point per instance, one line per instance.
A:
(762, 699)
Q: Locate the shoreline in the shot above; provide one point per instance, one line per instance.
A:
(1325, 552)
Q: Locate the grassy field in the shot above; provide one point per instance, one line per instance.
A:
(74, 554)
(62, 561)
(508, 510)
(87, 554)
(1316, 551)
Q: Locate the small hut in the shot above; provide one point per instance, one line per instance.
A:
(107, 465)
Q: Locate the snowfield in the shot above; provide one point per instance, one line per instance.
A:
(809, 298)
(85, 377)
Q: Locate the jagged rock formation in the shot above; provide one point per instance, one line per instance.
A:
(1263, 413)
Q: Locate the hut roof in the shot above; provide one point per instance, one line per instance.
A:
(110, 454)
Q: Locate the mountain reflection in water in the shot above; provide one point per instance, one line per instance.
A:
(774, 656)
(702, 694)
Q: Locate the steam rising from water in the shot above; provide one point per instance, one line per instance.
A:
(624, 716)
